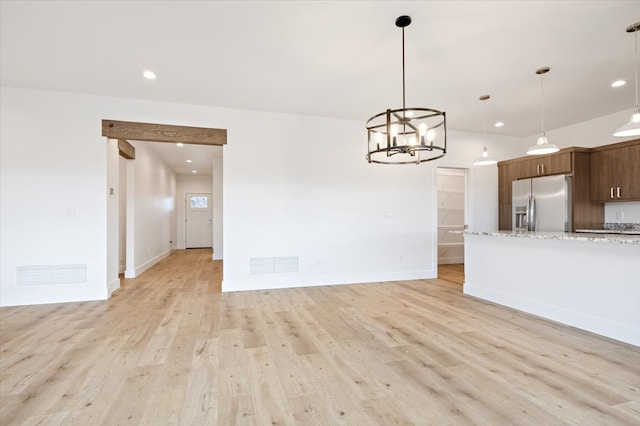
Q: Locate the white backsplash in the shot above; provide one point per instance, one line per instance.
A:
(627, 212)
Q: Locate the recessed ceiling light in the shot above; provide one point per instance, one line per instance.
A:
(149, 75)
(189, 161)
(179, 144)
(194, 171)
(499, 124)
(618, 83)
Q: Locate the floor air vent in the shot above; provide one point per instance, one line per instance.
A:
(51, 275)
(270, 265)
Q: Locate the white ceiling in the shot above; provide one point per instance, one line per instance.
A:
(334, 58)
(176, 157)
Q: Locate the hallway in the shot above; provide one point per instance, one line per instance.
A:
(169, 348)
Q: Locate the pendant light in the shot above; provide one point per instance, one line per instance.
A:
(542, 146)
(406, 135)
(632, 128)
(484, 159)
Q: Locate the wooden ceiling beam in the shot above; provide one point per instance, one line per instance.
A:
(151, 132)
(127, 150)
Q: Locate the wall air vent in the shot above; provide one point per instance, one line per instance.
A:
(270, 265)
(34, 275)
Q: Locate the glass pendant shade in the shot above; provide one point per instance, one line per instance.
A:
(632, 128)
(485, 160)
(542, 145)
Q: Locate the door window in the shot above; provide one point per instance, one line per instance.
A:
(198, 202)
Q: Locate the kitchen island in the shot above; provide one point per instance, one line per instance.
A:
(588, 281)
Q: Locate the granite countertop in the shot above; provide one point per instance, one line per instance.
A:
(598, 238)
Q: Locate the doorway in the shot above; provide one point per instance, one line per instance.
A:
(452, 215)
(153, 246)
(198, 221)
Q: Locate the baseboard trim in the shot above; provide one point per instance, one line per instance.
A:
(602, 326)
(148, 264)
(113, 286)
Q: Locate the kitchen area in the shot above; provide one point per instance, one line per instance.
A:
(563, 250)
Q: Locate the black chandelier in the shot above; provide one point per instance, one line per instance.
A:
(406, 135)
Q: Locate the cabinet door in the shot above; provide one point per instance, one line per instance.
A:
(628, 173)
(602, 168)
(553, 164)
(504, 217)
(506, 174)
(527, 168)
(615, 174)
(556, 164)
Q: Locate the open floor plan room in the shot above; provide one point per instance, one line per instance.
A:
(170, 348)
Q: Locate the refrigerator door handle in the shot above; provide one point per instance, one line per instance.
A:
(531, 217)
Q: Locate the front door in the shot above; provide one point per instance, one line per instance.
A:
(198, 221)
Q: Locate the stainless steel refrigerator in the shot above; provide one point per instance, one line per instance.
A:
(542, 204)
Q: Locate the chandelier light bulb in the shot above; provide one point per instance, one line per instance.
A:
(431, 135)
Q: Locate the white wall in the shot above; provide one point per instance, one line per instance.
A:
(593, 133)
(112, 192)
(482, 190)
(188, 184)
(154, 200)
(218, 208)
(293, 186)
(589, 133)
(53, 193)
(122, 214)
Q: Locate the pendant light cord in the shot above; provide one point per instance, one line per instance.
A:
(403, 90)
(637, 107)
(542, 103)
(484, 118)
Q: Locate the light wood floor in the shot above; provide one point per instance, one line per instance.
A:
(169, 348)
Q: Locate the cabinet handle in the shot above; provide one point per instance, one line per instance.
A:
(611, 192)
(542, 167)
(618, 192)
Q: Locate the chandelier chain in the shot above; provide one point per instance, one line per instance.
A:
(403, 75)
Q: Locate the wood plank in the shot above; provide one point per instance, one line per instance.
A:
(169, 348)
(152, 132)
(126, 150)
